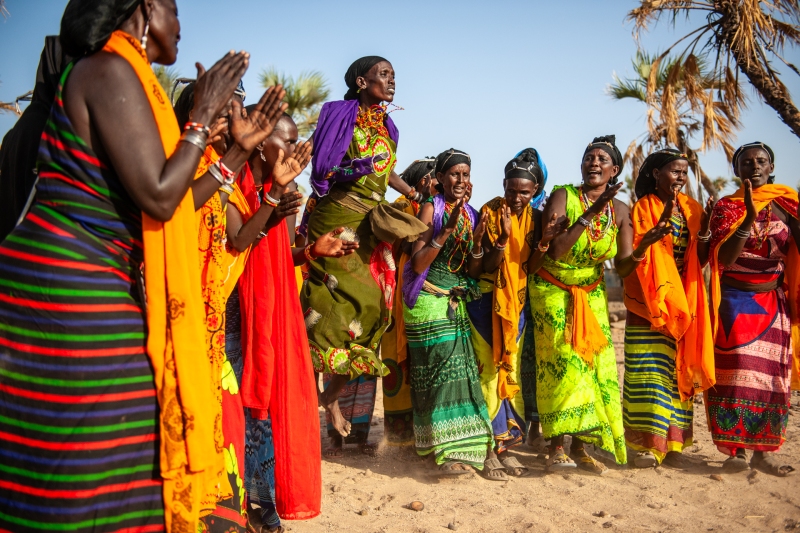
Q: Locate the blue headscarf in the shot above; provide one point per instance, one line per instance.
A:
(539, 199)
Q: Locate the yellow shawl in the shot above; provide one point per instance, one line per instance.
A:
(675, 306)
(761, 197)
(510, 288)
(175, 327)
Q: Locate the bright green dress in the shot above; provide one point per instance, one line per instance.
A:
(574, 398)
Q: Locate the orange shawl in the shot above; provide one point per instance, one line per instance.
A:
(787, 198)
(175, 327)
(510, 289)
(675, 306)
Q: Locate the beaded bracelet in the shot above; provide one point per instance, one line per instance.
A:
(268, 200)
(228, 174)
(195, 138)
(583, 222)
(307, 252)
(543, 250)
(196, 126)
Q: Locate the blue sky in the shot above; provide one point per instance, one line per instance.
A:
(490, 78)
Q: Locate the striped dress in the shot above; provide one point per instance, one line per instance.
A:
(655, 418)
(78, 409)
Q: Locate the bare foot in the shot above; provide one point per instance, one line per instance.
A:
(335, 449)
(337, 420)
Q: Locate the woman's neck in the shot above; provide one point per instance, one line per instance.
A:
(663, 195)
(593, 193)
(255, 169)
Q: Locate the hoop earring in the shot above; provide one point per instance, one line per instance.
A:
(261, 153)
(144, 37)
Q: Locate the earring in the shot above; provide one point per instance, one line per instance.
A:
(261, 153)
(144, 37)
(358, 91)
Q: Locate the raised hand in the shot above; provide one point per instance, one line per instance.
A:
(215, 87)
(604, 198)
(660, 230)
(752, 212)
(289, 205)
(217, 129)
(250, 129)
(505, 223)
(706, 221)
(455, 214)
(555, 227)
(288, 168)
(330, 245)
(480, 230)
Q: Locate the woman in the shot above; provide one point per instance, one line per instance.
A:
(577, 388)
(450, 417)
(669, 348)
(497, 318)
(282, 468)
(348, 302)
(80, 371)
(398, 420)
(755, 236)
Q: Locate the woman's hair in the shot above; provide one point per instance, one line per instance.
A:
(418, 170)
(525, 166)
(608, 143)
(645, 181)
(184, 104)
(360, 67)
(87, 25)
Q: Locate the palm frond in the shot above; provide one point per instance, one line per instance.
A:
(304, 95)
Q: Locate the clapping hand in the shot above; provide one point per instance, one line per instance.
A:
(330, 245)
(480, 230)
(554, 228)
(455, 214)
(662, 228)
(250, 129)
(607, 196)
(289, 205)
(505, 223)
(704, 224)
(752, 211)
(288, 168)
(214, 87)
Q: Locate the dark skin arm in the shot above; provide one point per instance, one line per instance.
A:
(494, 256)
(398, 184)
(328, 245)
(623, 262)
(703, 248)
(731, 249)
(475, 266)
(423, 254)
(103, 92)
(544, 237)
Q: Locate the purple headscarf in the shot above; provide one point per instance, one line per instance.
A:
(413, 282)
(332, 138)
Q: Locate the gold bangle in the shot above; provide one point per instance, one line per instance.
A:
(307, 252)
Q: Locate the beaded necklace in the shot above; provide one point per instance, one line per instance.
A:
(763, 232)
(680, 220)
(372, 119)
(595, 230)
(463, 238)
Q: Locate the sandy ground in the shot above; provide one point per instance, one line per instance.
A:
(370, 494)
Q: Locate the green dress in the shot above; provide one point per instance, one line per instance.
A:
(347, 300)
(450, 416)
(574, 398)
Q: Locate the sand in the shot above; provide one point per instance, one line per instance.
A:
(370, 494)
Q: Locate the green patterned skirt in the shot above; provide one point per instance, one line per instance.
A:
(450, 416)
(572, 397)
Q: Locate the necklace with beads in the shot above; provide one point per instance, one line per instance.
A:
(462, 236)
(372, 119)
(597, 230)
(680, 220)
(763, 232)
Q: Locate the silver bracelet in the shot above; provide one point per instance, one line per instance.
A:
(270, 199)
(478, 256)
(744, 234)
(498, 247)
(214, 171)
(704, 238)
(583, 222)
(635, 260)
(196, 138)
(262, 234)
(435, 244)
(227, 189)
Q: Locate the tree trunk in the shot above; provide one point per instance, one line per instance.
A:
(773, 93)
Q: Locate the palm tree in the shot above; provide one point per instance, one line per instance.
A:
(305, 96)
(684, 100)
(167, 76)
(745, 33)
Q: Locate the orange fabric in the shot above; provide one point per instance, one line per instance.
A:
(510, 288)
(586, 336)
(175, 341)
(675, 306)
(787, 198)
(235, 261)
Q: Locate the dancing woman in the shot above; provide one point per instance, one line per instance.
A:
(118, 409)
(347, 302)
(754, 260)
(450, 417)
(577, 388)
(497, 318)
(669, 347)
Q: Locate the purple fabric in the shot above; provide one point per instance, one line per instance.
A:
(413, 282)
(353, 169)
(332, 139)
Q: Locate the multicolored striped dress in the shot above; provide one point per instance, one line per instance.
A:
(78, 409)
(655, 418)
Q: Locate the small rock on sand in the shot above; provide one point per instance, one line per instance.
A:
(451, 526)
(416, 506)
(716, 477)
(601, 514)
